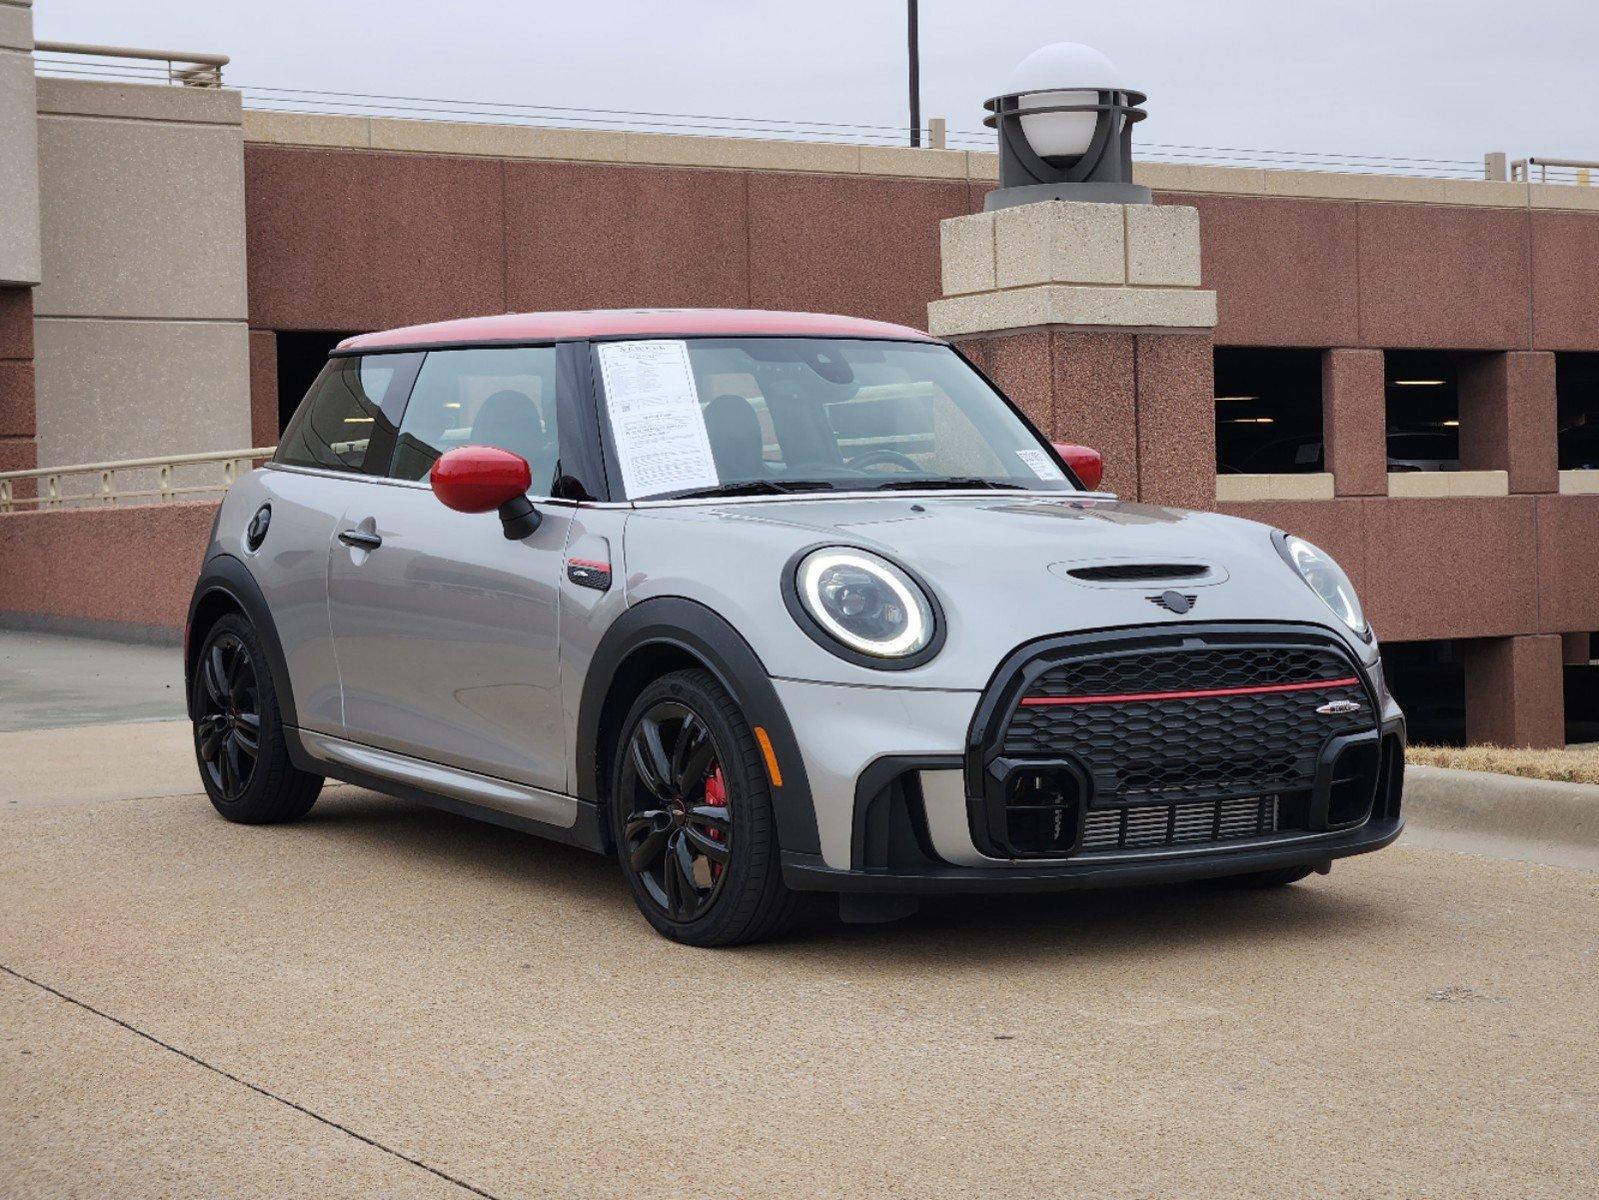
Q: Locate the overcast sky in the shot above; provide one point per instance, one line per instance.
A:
(1427, 79)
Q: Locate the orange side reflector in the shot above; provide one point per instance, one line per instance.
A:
(772, 772)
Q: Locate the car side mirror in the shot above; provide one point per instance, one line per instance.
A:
(1086, 463)
(479, 479)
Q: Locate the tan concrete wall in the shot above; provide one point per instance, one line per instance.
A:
(115, 389)
(141, 345)
(19, 163)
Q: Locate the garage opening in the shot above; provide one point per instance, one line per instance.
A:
(1428, 679)
(1423, 402)
(301, 354)
(1577, 392)
(1268, 411)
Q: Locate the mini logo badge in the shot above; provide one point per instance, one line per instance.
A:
(1177, 602)
(1335, 708)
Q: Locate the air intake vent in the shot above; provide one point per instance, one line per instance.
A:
(1138, 572)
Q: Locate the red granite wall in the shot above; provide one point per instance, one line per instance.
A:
(346, 239)
(1478, 568)
(131, 567)
(17, 424)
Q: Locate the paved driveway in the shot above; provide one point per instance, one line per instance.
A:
(388, 1000)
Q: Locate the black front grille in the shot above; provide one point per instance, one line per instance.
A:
(1176, 668)
(1162, 743)
(1173, 732)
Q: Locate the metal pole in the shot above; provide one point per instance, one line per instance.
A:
(915, 74)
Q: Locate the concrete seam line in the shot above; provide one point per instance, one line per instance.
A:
(300, 1108)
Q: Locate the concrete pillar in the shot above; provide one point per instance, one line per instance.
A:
(1515, 691)
(19, 150)
(1576, 649)
(1091, 317)
(1354, 414)
(141, 346)
(1508, 418)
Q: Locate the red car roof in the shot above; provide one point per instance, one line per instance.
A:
(635, 322)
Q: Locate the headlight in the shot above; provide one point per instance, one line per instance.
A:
(1327, 579)
(859, 602)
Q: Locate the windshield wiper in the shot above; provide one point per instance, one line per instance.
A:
(966, 482)
(755, 487)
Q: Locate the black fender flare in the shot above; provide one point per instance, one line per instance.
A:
(222, 573)
(689, 626)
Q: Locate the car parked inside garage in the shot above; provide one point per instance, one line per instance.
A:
(767, 604)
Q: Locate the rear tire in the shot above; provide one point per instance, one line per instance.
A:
(239, 739)
(691, 815)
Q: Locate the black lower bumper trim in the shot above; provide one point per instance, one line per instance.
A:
(807, 872)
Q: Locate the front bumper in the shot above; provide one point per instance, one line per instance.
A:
(807, 872)
(898, 781)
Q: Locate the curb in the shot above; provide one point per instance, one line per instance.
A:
(1540, 820)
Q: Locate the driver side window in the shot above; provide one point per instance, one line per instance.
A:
(494, 397)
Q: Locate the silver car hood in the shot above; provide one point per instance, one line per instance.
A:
(999, 565)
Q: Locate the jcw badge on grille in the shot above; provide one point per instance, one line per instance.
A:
(1335, 708)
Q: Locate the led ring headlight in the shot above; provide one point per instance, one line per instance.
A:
(863, 607)
(1327, 579)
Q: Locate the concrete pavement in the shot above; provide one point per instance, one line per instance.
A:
(488, 1006)
(48, 680)
(387, 1000)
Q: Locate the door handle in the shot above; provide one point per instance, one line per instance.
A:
(357, 537)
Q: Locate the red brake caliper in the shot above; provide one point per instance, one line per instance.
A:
(716, 794)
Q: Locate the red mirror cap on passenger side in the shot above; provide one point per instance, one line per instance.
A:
(1085, 463)
(477, 479)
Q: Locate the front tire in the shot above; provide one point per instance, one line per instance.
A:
(691, 816)
(238, 731)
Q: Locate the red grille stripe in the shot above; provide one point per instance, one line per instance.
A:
(1131, 697)
(593, 564)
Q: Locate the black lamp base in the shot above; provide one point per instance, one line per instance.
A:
(1079, 193)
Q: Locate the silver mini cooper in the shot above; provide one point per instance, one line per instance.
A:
(769, 604)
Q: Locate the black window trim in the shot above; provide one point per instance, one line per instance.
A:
(576, 410)
(596, 448)
(401, 400)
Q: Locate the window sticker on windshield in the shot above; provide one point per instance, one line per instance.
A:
(655, 417)
(1039, 462)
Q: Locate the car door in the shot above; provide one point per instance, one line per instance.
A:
(446, 632)
(343, 428)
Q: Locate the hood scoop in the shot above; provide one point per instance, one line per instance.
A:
(1162, 573)
(1157, 572)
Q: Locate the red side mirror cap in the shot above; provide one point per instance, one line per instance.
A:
(479, 479)
(1085, 463)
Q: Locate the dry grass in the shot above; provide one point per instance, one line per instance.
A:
(1571, 766)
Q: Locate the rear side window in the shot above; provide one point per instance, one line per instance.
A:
(347, 420)
(501, 397)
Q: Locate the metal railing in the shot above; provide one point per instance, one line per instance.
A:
(1567, 170)
(153, 480)
(182, 67)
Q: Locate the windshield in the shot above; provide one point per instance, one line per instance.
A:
(725, 416)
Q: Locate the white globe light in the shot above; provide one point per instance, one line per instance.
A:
(1068, 68)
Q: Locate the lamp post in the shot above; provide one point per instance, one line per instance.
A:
(1065, 126)
(913, 39)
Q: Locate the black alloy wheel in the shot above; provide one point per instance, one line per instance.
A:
(677, 836)
(240, 739)
(228, 726)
